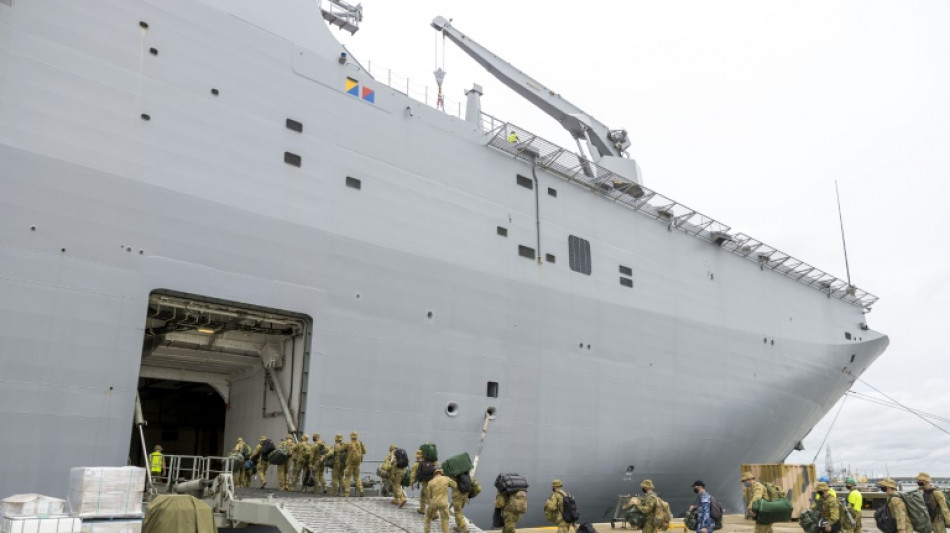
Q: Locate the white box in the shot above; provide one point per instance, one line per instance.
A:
(52, 524)
(106, 491)
(112, 526)
(31, 505)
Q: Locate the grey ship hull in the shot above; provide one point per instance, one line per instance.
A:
(594, 377)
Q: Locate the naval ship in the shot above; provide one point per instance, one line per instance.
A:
(211, 206)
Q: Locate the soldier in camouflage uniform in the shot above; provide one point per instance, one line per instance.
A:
(754, 491)
(414, 479)
(459, 499)
(936, 503)
(262, 464)
(242, 476)
(384, 472)
(283, 470)
(554, 507)
(437, 492)
(513, 507)
(355, 450)
(300, 454)
(827, 505)
(395, 475)
(646, 505)
(896, 506)
(317, 450)
(338, 452)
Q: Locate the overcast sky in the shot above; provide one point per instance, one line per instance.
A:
(748, 111)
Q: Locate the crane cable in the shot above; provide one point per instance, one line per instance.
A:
(822, 445)
(902, 406)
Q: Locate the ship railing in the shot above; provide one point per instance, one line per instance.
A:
(579, 170)
(191, 467)
(417, 91)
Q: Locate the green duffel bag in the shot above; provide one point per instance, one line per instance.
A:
(429, 452)
(809, 520)
(770, 512)
(917, 511)
(278, 456)
(405, 479)
(457, 465)
(635, 518)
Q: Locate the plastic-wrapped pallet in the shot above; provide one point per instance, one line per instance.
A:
(112, 526)
(31, 505)
(106, 491)
(34, 524)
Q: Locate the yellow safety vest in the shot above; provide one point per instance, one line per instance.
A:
(856, 500)
(155, 460)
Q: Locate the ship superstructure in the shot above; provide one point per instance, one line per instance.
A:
(209, 204)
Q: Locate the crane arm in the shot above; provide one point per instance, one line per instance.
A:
(580, 125)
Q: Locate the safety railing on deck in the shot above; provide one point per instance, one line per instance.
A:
(580, 170)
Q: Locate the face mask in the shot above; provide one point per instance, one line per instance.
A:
(920, 483)
(747, 483)
(849, 487)
(696, 490)
(821, 494)
(643, 489)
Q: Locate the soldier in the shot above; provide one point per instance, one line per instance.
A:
(414, 479)
(646, 505)
(831, 490)
(703, 508)
(395, 476)
(856, 502)
(936, 503)
(355, 450)
(338, 452)
(317, 452)
(513, 507)
(554, 507)
(384, 472)
(283, 469)
(896, 506)
(262, 464)
(437, 492)
(827, 505)
(301, 456)
(243, 476)
(754, 491)
(459, 499)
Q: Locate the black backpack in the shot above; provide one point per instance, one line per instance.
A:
(402, 458)
(715, 512)
(309, 480)
(266, 447)
(885, 522)
(569, 508)
(426, 471)
(586, 527)
(464, 482)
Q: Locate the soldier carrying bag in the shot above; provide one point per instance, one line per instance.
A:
(510, 483)
(917, 511)
(426, 471)
(809, 520)
(884, 521)
(662, 515)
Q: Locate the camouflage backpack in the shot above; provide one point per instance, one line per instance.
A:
(518, 503)
(773, 492)
(662, 515)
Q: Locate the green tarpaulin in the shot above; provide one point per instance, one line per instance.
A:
(176, 513)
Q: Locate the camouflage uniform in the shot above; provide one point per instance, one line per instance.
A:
(508, 513)
(301, 457)
(242, 476)
(753, 493)
(413, 479)
(554, 507)
(459, 499)
(283, 470)
(262, 464)
(316, 464)
(827, 505)
(899, 512)
(647, 506)
(395, 478)
(355, 451)
(936, 504)
(338, 460)
(437, 492)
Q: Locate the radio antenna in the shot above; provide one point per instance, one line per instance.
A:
(844, 244)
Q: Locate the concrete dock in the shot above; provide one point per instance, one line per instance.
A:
(730, 524)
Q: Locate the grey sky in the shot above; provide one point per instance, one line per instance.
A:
(748, 111)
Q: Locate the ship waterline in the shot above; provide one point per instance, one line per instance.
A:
(386, 245)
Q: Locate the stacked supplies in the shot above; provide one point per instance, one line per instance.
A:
(106, 491)
(35, 513)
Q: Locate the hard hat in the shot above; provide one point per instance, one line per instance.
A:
(557, 483)
(824, 478)
(850, 481)
(646, 484)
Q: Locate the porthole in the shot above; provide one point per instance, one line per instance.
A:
(491, 412)
(452, 409)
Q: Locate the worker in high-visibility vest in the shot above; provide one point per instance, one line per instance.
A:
(156, 462)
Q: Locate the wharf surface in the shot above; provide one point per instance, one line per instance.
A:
(734, 523)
